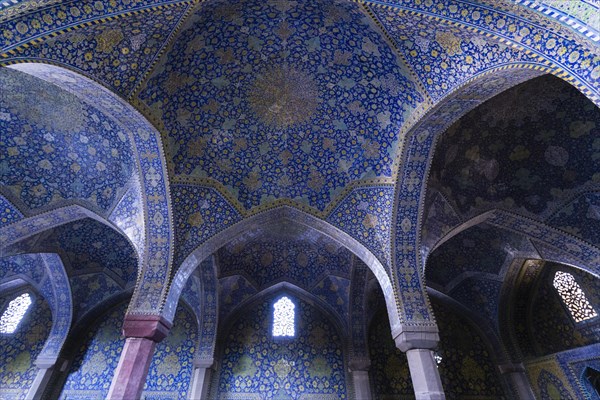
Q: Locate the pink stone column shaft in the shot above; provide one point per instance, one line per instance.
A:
(142, 334)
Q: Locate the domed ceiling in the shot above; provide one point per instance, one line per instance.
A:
(280, 100)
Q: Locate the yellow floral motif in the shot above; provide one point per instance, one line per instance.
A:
(449, 42)
(108, 39)
(169, 365)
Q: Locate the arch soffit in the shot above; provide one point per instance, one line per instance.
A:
(222, 238)
(28, 227)
(155, 263)
(551, 243)
(411, 185)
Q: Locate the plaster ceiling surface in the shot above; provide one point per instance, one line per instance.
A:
(272, 100)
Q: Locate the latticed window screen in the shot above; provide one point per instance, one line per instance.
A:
(14, 313)
(283, 317)
(573, 297)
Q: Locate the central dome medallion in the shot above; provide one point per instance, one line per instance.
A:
(283, 97)
(280, 100)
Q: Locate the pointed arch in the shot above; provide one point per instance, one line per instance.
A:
(154, 267)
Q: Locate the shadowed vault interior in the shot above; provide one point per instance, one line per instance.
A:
(299, 199)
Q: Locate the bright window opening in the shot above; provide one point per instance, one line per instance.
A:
(283, 318)
(573, 297)
(14, 313)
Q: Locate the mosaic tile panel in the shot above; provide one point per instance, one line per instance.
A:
(57, 147)
(17, 29)
(150, 291)
(481, 296)
(172, 364)
(8, 212)
(411, 184)
(552, 329)
(89, 290)
(542, 36)
(575, 362)
(300, 262)
(117, 52)
(261, 145)
(549, 380)
(444, 56)
(366, 214)
(334, 291)
(358, 313)
(310, 364)
(530, 153)
(481, 248)
(581, 217)
(93, 368)
(466, 369)
(21, 349)
(200, 213)
(233, 290)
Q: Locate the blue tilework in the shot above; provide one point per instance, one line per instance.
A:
(171, 368)
(466, 370)
(89, 290)
(299, 262)
(149, 293)
(481, 296)
(8, 212)
(210, 309)
(233, 290)
(57, 147)
(358, 310)
(333, 104)
(412, 180)
(92, 246)
(117, 52)
(481, 248)
(544, 38)
(311, 363)
(200, 213)
(444, 56)
(17, 29)
(531, 151)
(21, 349)
(440, 219)
(574, 363)
(551, 387)
(366, 214)
(335, 291)
(581, 217)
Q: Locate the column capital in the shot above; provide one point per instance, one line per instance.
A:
(425, 337)
(510, 368)
(153, 327)
(203, 362)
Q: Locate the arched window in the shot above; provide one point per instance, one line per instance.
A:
(14, 313)
(573, 297)
(283, 318)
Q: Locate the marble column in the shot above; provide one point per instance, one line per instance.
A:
(359, 369)
(142, 333)
(45, 370)
(200, 379)
(418, 346)
(516, 377)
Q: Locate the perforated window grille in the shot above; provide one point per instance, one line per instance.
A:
(573, 297)
(14, 313)
(283, 317)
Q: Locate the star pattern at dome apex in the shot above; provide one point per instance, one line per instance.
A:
(280, 100)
